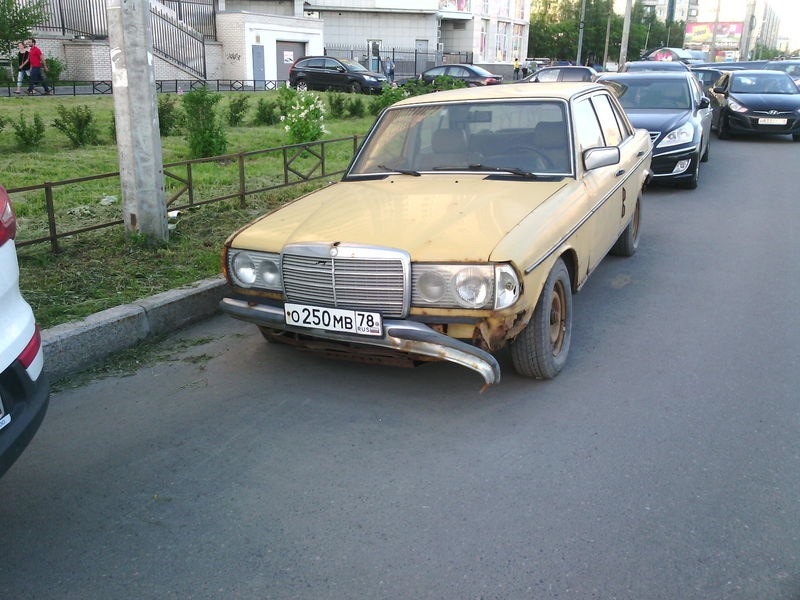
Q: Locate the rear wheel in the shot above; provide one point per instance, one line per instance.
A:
(302, 85)
(628, 241)
(541, 349)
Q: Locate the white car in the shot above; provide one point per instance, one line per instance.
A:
(24, 388)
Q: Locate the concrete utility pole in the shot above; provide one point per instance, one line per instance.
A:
(580, 32)
(626, 32)
(136, 117)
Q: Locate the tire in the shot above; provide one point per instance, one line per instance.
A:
(704, 158)
(628, 241)
(541, 349)
(722, 129)
(354, 87)
(796, 137)
(691, 183)
(301, 85)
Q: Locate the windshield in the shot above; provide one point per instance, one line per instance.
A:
(527, 137)
(763, 83)
(352, 65)
(670, 94)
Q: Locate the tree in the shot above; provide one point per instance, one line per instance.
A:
(16, 20)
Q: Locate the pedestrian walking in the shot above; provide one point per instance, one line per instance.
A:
(388, 68)
(37, 63)
(23, 66)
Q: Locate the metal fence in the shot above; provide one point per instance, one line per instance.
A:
(87, 18)
(301, 163)
(167, 86)
(176, 41)
(408, 62)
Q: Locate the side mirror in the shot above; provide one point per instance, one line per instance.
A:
(594, 158)
(719, 90)
(704, 102)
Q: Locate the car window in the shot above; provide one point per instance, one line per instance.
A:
(548, 75)
(608, 120)
(587, 128)
(329, 63)
(531, 135)
(652, 93)
(763, 83)
(457, 71)
(436, 72)
(316, 63)
(352, 65)
(576, 75)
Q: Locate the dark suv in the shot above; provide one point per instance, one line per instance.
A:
(328, 73)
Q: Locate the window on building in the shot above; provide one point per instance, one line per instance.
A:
(484, 31)
(516, 42)
(501, 47)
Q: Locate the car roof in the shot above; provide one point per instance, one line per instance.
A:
(645, 75)
(555, 90)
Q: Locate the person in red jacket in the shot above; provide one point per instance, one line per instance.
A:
(37, 63)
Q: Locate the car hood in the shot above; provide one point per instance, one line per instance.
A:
(433, 217)
(662, 120)
(782, 102)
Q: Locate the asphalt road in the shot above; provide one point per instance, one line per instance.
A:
(663, 463)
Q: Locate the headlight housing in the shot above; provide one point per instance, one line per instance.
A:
(251, 269)
(682, 135)
(370, 78)
(472, 286)
(735, 106)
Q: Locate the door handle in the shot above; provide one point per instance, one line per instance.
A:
(640, 153)
(619, 173)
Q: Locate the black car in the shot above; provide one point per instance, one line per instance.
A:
(672, 107)
(471, 74)
(756, 102)
(653, 65)
(565, 73)
(329, 73)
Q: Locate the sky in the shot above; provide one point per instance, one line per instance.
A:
(788, 10)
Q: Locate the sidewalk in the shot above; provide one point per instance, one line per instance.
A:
(73, 347)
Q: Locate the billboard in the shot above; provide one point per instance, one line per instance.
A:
(728, 35)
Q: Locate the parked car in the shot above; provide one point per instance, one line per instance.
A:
(790, 67)
(756, 102)
(471, 74)
(708, 76)
(464, 223)
(674, 54)
(565, 73)
(24, 388)
(329, 73)
(653, 65)
(673, 108)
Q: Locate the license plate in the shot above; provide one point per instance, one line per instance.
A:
(771, 121)
(334, 319)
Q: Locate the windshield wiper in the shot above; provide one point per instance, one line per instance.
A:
(401, 171)
(480, 167)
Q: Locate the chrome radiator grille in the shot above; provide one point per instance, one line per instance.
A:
(356, 278)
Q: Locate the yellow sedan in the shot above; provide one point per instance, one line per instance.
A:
(465, 222)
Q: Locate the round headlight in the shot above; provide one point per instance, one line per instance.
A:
(431, 286)
(473, 287)
(244, 268)
(270, 274)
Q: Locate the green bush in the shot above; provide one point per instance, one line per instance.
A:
(287, 97)
(170, 117)
(237, 108)
(355, 107)
(336, 102)
(445, 82)
(388, 96)
(305, 120)
(204, 131)
(55, 67)
(266, 112)
(77, 124)
(29, 136)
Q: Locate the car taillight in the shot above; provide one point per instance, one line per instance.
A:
(8, 223)
(32, 349)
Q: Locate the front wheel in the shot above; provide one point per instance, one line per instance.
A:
(354, 87)
(722, 129)
(796, 137)
(541, 349)
(691, 183)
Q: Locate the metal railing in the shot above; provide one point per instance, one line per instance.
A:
(166, 86)
(175, 41)
(301, 163)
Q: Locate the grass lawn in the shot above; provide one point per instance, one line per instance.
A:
(102, 269)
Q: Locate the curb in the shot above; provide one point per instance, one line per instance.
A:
(76, 346)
